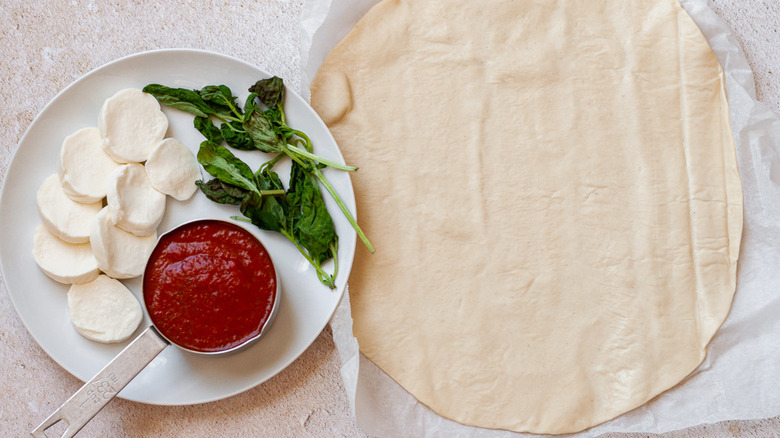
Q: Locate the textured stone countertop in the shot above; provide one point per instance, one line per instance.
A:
(47, 45)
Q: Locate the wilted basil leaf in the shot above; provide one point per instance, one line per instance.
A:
(270, 92)
(263, 134)
(222, 192)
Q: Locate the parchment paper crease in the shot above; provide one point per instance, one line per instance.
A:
(736, 381)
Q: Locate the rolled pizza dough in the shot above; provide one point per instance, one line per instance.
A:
(553, 193)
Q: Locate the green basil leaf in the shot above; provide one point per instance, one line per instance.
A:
(267, 212)
(221, 163)
(180, 98)
(220, 98)
(236, 137)
(250, 105)
(310, 221)
(207, 128)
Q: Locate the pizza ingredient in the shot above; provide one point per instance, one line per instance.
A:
(221, 163)
(172, 169)
(65, 218)
(84, 167)
(104, 310)
(562, 244)
(119, 253)
(134, 205)
(132, 125)
(68, 263)
(227, 303)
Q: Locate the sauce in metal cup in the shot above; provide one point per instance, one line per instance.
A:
(210, 286)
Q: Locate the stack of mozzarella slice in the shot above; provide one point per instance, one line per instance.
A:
(100, 212)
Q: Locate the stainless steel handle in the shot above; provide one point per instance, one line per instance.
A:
(90, 399)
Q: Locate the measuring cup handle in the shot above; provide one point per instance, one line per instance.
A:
(87, 401)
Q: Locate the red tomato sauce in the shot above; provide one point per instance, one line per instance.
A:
(209, 286)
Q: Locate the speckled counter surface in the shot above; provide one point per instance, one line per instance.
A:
(47, 45)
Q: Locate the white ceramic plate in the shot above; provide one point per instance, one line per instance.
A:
(174, 377)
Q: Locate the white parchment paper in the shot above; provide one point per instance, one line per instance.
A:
(739, 378)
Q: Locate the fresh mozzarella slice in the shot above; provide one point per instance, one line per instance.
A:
(62, 261)
(104, 310)
(134, 205)
(83, 167)
(132, 124)
(173, 170)
(65, 218)
(119, 254)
